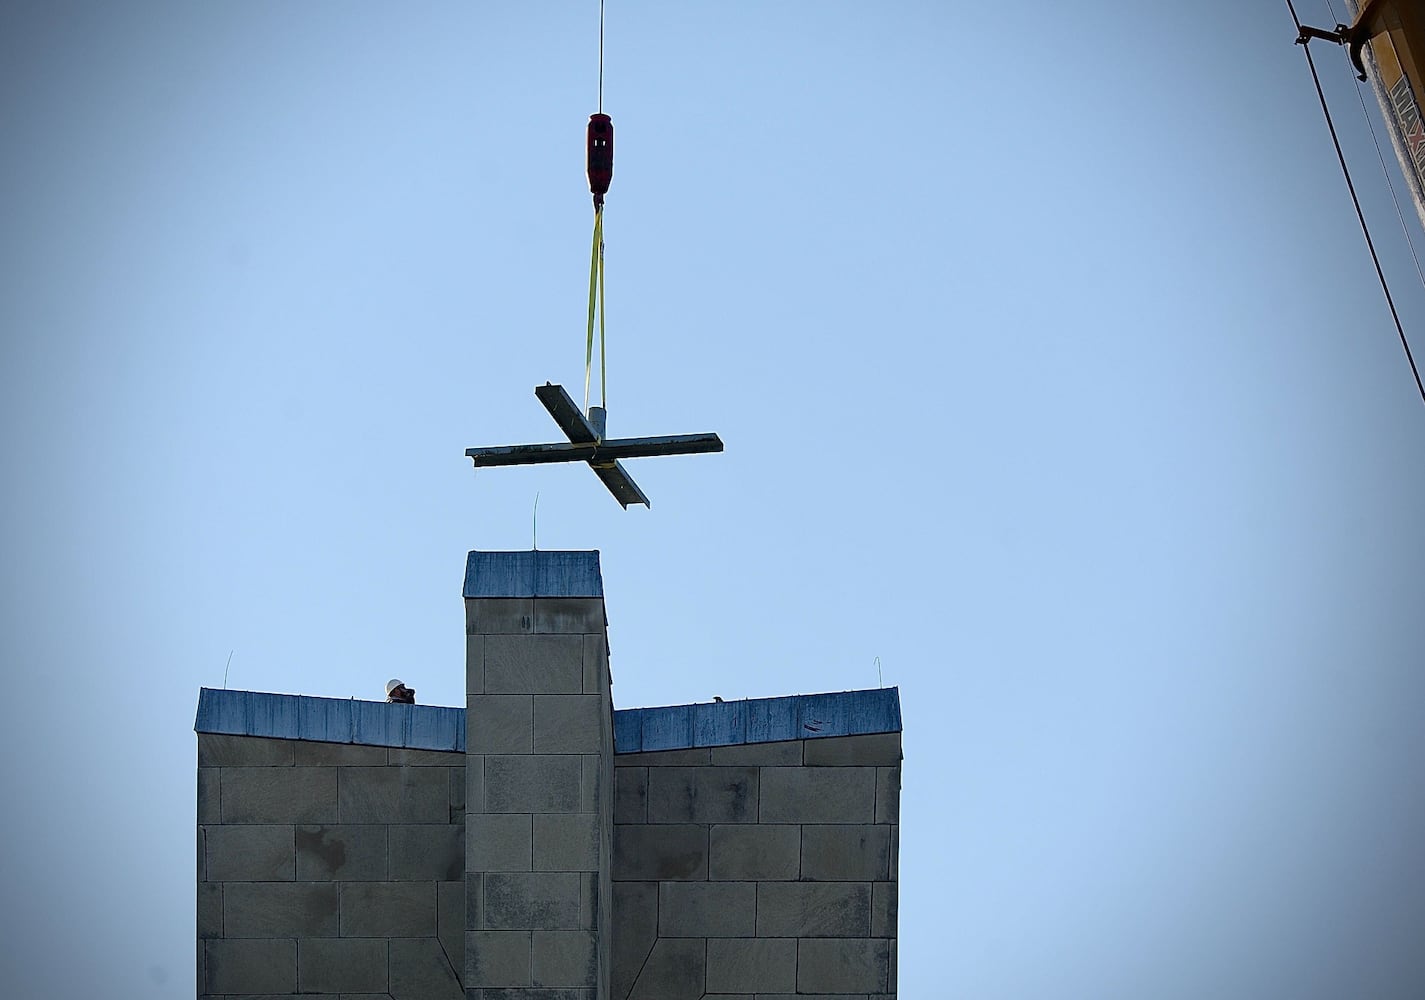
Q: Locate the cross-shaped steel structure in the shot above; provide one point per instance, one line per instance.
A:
(587, 444)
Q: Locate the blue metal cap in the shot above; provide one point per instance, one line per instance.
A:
(533, 574)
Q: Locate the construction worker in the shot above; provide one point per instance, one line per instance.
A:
(398, 692)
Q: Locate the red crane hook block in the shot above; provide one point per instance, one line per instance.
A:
(601, 156)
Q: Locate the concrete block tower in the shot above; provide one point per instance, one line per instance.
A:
(535, 844)
(539, 771)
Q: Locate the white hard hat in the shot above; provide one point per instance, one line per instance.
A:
(392, 684)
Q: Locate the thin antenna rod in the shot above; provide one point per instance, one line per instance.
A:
(601, 56)
(225, 669)
(536, 520)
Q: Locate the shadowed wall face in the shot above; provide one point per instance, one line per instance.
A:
(766, 869)
(327, 868)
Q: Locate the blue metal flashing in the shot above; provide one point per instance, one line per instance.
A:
(761, 720)
(533, 574)
(330, 720)
(636, 730)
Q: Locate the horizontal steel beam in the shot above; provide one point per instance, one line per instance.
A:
(594, 452)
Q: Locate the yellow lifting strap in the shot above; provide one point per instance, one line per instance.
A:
(596, 303)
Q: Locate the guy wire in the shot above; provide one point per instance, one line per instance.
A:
(1356, 201)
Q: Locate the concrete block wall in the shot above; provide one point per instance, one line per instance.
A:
(539, 759)
(762, 871)
(329, 870)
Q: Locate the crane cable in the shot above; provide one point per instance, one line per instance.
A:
(1304, 41)
(599, 186)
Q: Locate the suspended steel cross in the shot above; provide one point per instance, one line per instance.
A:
(588, 444)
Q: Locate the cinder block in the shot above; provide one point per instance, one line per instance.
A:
(753, 852)
(825, 965)
(692, 757)
(250, 853)
(279, 909)
(251, 967)
(499, 723)
(421, 970)
(499, 615)
(387, 909)
(817, 795)
(847, 853)
(497, 842)
(450, 923)
(566, 842)
(888, 795)
(895, 853)
(497, 959)
(210, 809)
(854, 751)
(355, 852)
(814, 909)
(885, 897)
(474, 664)
(210, 910)
(310, 754)
(676, 970)
(393, 794)
(596, 664)
(273, 795)
(707, 909)
(630, 795)
(427, 851)
(217, 750)
(702, 795)
(569, 723)
(406, 757)
(666, 852)
(534, 664)
(564, 959)
(533, 783)
(527, 900)
(569, 614)
(635, 927)
(752, 965)
(341, 965)
(784, 754)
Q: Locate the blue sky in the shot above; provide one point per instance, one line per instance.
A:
(1050, 364)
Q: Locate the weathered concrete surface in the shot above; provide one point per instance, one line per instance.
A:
(342, 852)
(707, 909)
(813, 909)
(279, 909)
(251, 966)
(533, 664)
(659, 853)
(859, 964)
(818, 795)
(388, 909)
(755, 852)
(341, 965)
(846, 852)
(249, 853)
(749, 965)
